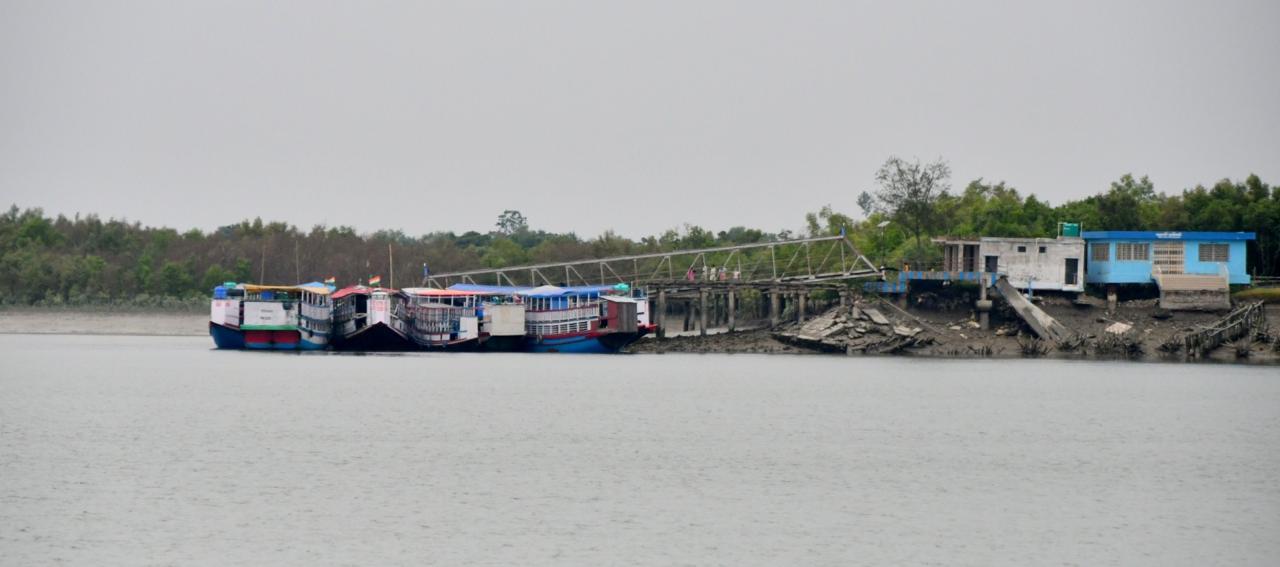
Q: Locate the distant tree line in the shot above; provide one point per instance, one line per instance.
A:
(85, 260)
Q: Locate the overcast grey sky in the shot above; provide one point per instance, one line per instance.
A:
(637, 116)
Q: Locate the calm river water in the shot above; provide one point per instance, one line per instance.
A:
(147, 450)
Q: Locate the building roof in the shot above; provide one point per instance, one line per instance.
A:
(1166, 235)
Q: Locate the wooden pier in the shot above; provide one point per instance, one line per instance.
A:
(1239, 323)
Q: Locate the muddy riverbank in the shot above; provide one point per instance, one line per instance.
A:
(1135, 330)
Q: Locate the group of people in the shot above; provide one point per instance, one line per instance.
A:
(712, 273)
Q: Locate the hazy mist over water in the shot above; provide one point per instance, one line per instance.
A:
(129, 450)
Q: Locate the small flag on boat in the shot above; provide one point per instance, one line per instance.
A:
(375, 280)
(331, 281)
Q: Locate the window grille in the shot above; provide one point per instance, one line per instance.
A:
(1132, 251)
(1215, 253)
(1100, 251)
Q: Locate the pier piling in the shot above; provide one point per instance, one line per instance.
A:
(702, 312)
(733, 306)
(662, 314)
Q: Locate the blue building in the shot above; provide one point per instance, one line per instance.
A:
(1132, 257)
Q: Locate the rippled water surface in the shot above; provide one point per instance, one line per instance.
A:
(145, 450)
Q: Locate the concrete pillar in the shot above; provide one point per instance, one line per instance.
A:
(844, 299)
(1111, 298)
(661, 314)
(903, 302)
(717, 310)
(984, 306)
(775, 307)
(688, 315)
(801, 298)
(702, 312)
(733, 306)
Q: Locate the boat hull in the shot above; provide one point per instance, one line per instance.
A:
(584, 344)
(506, 343)
(458, 345)
(225, 337)
(283, 340)
(376, 337)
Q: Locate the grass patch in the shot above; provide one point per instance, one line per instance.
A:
(1267, 294)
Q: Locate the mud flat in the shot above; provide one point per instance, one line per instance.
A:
(102, 322)
(1135, 330)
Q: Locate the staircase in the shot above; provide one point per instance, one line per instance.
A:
(1205, 292)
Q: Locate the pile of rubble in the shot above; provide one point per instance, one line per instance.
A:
(855, 330)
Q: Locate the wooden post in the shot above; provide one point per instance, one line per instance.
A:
(662, 314)
(688, 315)
(733, 306)
(702, 312)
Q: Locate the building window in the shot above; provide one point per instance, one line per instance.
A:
(1042, 249)
(1100, 251)
(1132, 251)
(1022, 248)
(1215, 253)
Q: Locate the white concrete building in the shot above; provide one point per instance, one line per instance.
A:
(1029, 263)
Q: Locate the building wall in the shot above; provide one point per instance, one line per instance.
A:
(1114, 271)
(1111, 271)
(1033, 269)
(1235, 260)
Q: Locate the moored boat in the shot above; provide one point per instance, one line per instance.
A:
(443, 318)
(370, 318)
(586, 319)
(271, 317)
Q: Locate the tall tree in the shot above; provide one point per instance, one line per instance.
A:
(909, 193)
(511, 222)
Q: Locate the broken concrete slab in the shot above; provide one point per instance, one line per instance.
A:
(906, 331)
(1118, 328)
(877, 317)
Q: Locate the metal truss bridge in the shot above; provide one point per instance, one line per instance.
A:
(788, 263)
